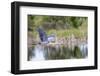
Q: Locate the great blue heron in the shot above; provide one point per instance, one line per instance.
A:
(43, 36)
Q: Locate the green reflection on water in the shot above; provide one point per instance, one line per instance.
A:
(55, 53)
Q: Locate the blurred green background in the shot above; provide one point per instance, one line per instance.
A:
(63, 26)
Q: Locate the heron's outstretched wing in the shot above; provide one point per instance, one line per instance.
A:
(42, 35)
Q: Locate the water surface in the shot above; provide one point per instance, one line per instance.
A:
(43, 52)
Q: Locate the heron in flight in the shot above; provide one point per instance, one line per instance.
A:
(43, 36)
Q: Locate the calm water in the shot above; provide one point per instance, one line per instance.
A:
(41, 52)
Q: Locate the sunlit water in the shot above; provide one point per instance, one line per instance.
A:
(40, 52)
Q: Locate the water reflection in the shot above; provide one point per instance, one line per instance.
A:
(44, 52)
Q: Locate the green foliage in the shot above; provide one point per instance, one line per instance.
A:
(55, 22)
(62, 26)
